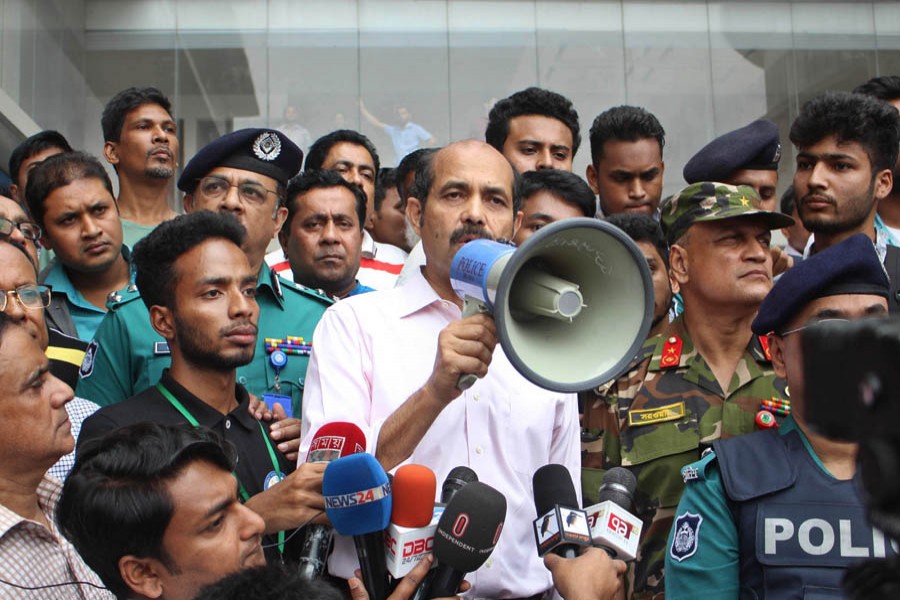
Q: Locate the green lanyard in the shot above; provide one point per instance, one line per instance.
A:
(190, 419)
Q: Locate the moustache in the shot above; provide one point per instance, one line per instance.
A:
(472, 231)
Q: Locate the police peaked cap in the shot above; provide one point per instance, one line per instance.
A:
(265, 151)
(851, 267)
(756, 147)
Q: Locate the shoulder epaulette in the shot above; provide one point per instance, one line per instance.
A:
(115, 300)
(299, 290)
(697, 471)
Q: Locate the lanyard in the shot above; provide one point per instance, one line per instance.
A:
(193, 421)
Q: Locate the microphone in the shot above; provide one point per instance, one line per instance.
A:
(410, 536)
(457, 478)
(332, 441)
(613, 528)
(465, 537)
(358, 503)
(561, 527)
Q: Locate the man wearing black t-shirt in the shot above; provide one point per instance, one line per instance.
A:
(200, 292)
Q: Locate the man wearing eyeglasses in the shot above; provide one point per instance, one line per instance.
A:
(244, 174)
(778, 511)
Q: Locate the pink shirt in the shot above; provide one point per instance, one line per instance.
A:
(371, 352)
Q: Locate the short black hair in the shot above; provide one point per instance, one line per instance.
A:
(885, 88)
(115, 500)
(124, 102)
(642, 228)
(627, 124)
(788, 201)
(849, 117)
(425, 179)
(320, 148)
(59, 171)
(409, 164)
(387, 179)
(271, 582)
(155, 254)
(566, 186)
(43, 140)
(531, 101)
(322, 179)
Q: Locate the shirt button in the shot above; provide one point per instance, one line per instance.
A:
(489, 563)
(477, 396)
(227, 423)
(479, 450)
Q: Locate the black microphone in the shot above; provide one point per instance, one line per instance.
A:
(613, 527)
(561, 527)
(458, 478)
(465, 537)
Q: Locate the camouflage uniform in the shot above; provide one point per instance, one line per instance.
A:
(669, 407)
(656, 419)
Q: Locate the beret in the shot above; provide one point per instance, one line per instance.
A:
(711, 201)
(851, 267)
(756, 147)
(265, 151)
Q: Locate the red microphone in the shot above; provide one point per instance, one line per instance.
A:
(331, 442)
(410, 536)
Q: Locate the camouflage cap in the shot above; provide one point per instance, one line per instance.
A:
(709, 201)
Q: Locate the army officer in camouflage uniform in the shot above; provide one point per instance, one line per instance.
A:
(243, 173)
(705, 378)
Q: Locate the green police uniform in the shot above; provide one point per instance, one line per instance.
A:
(127, 356)
(661, 416)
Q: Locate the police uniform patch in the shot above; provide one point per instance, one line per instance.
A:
(267, 146)
(687, 536)
(690, 473)
(87, 364)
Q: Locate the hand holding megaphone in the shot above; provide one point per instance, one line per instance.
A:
(465, 348)
(572, 305)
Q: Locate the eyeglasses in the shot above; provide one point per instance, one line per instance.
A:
(810, 324)
(29, 296)
(29, 230)
(215, 188)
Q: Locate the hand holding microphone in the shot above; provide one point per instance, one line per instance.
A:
(332, 441)
(561, 527)
(591, 576)
(613, 527)
(407, 585)
(410, 536)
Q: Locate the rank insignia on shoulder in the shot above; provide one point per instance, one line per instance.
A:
(764, 343)
(687, 536)
(671, 352)
(690, 473)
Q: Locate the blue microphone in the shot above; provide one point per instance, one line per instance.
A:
(358, 503)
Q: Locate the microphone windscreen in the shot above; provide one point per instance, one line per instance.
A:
(470, 527)
(457, 478)
(412, 493)
(553, 486)
(357, 495)
(618, 486)
(334, 440)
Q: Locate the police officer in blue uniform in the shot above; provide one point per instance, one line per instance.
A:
(245, 174)
(778, 513)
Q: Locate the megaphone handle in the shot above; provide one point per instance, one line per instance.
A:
(471, 306)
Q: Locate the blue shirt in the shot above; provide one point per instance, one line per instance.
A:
(406, 139)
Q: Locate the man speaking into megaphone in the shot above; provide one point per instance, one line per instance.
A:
(391, 361)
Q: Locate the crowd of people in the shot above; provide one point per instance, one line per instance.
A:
(167, 370)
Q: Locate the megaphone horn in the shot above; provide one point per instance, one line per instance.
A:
(572, 305)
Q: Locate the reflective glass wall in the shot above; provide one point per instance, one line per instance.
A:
(702, 67)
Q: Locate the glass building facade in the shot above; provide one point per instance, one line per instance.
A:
(702, 67)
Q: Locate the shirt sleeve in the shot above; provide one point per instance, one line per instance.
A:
(704, 558)
(422, 134)
(105, 377)
(565, 447)
(338, 379)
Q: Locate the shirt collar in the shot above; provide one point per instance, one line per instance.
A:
(206, 415)
(418, 294)
(47, 495)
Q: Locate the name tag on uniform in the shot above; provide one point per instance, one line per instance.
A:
(161, 349)
(661, 414)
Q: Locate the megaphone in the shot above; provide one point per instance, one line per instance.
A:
(572, 305)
